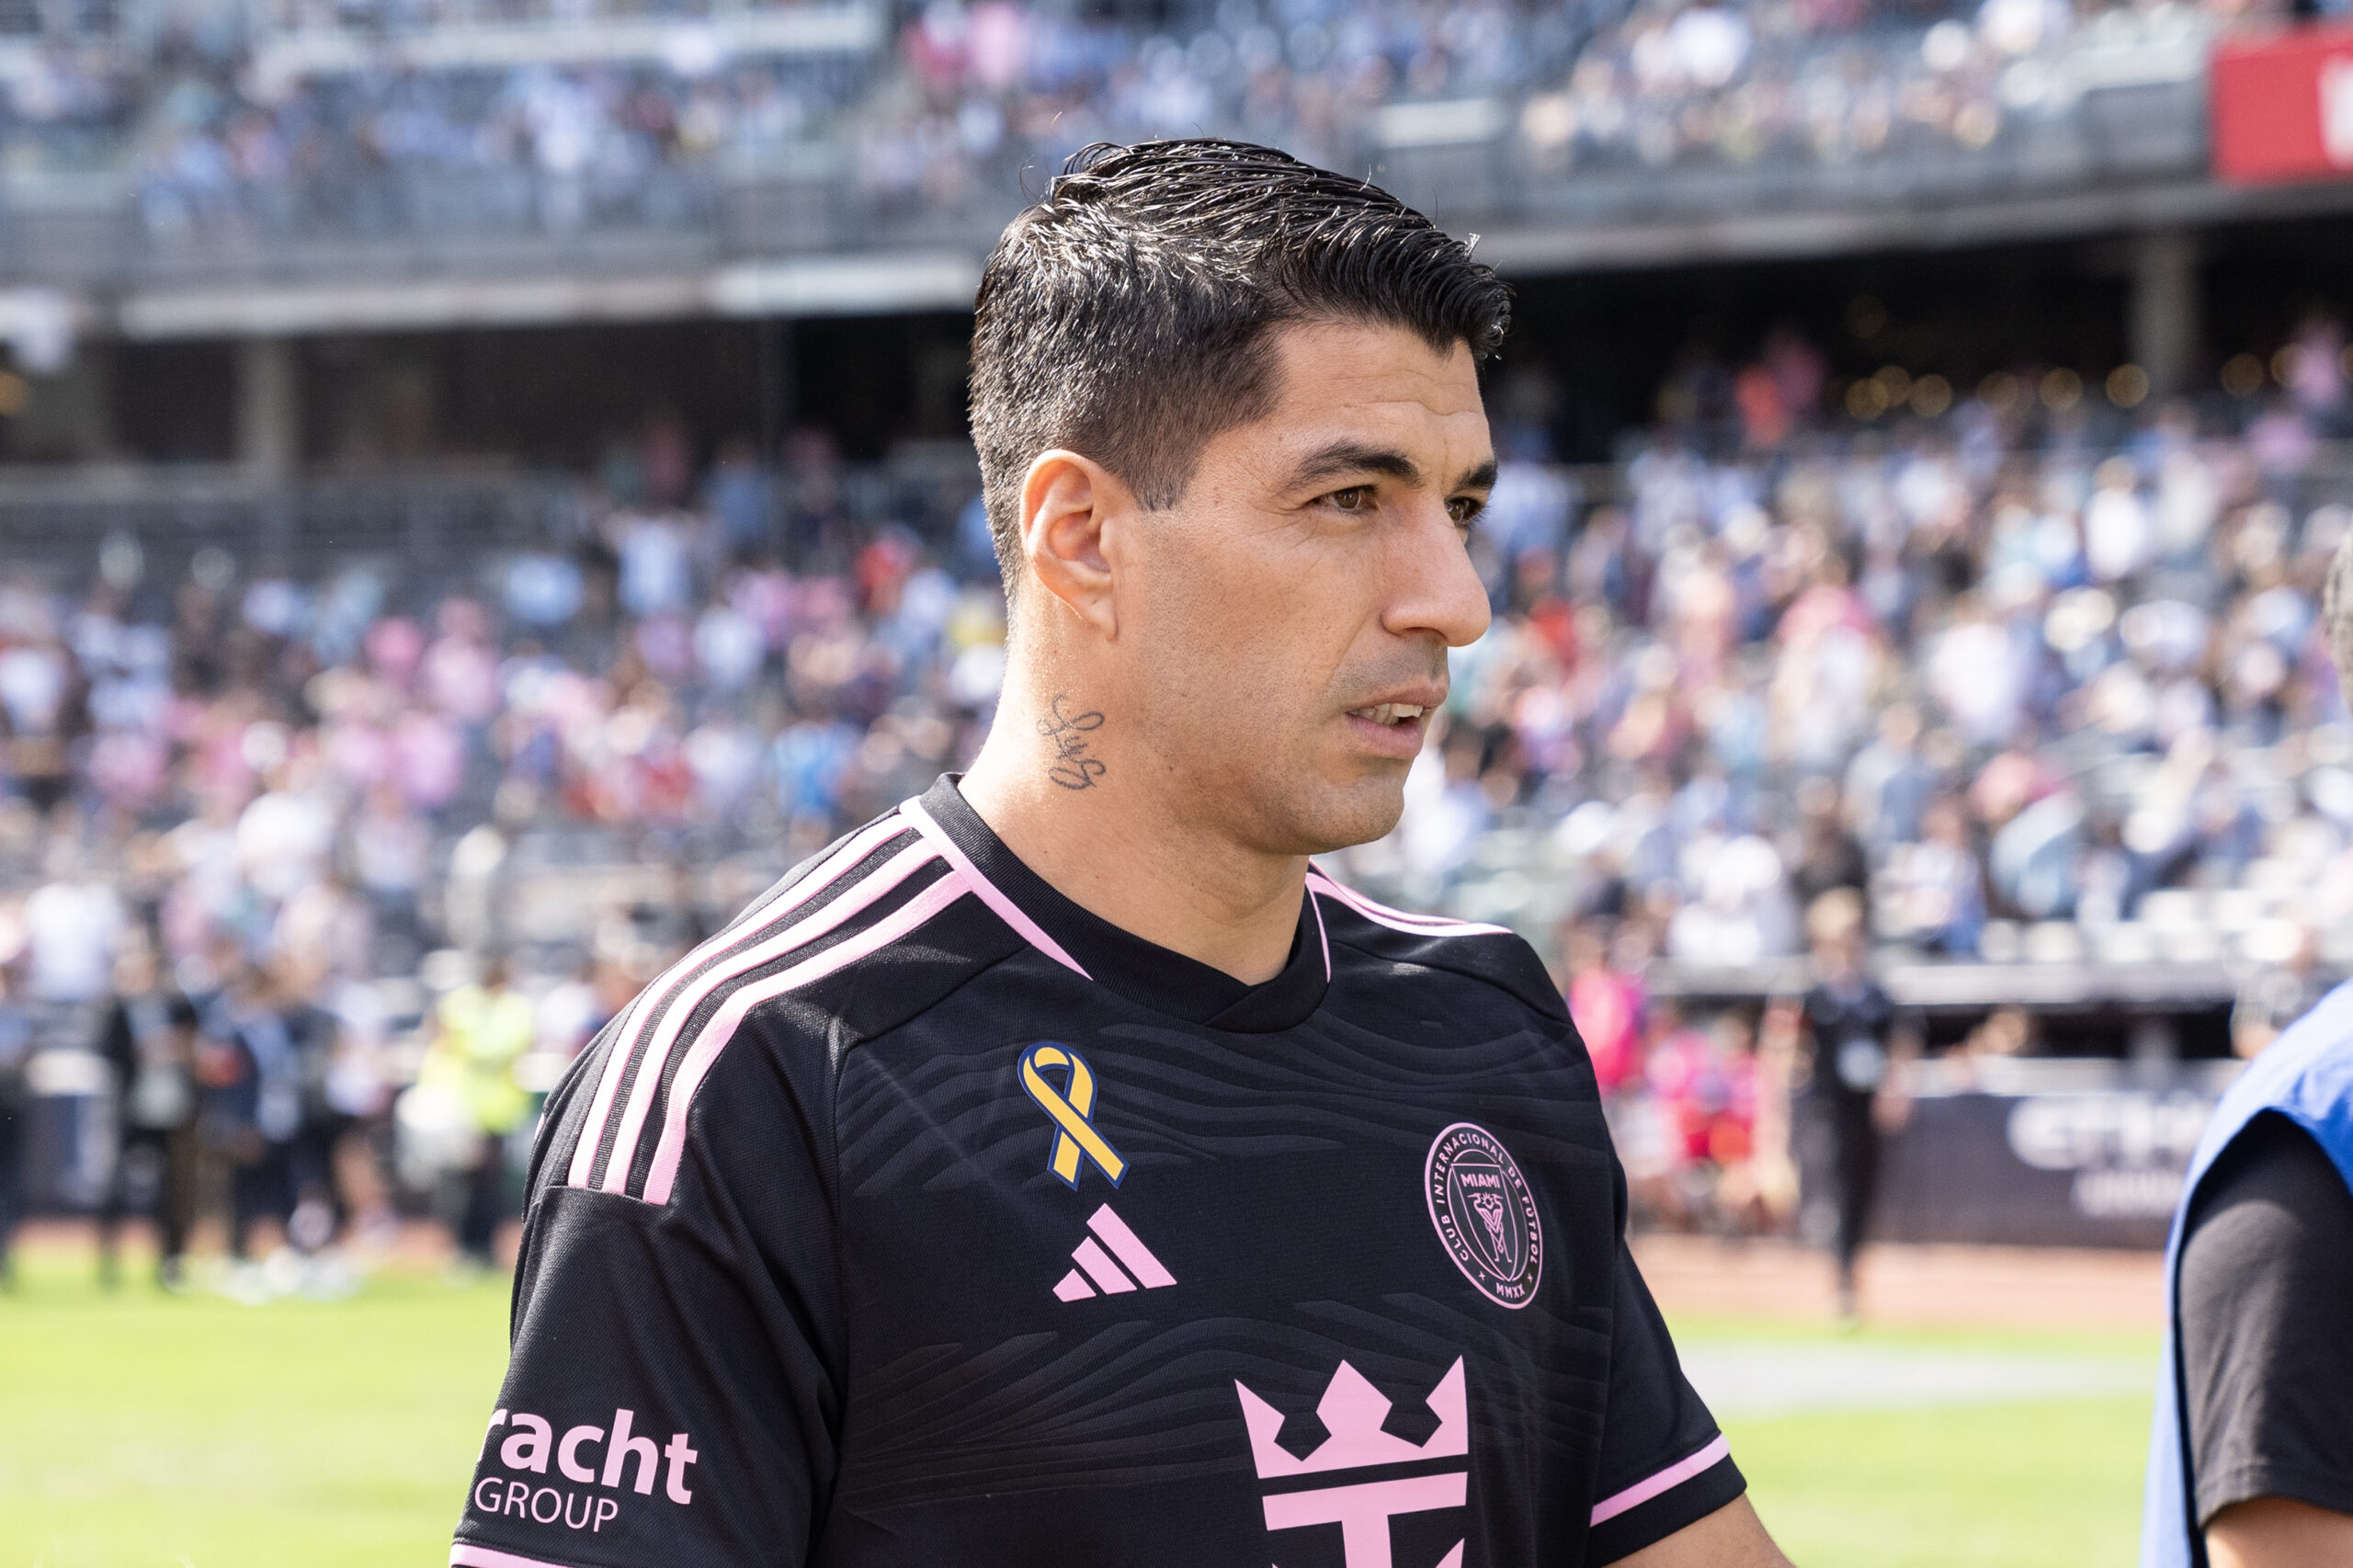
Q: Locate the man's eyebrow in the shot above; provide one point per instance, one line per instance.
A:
(1346, 457)
(1480, 477)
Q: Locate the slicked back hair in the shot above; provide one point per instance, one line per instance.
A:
(1127, 315)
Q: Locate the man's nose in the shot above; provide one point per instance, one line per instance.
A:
(1432, 586)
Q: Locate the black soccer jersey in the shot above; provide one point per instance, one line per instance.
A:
(923, 1219)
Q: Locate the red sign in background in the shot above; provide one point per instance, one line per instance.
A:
(2283, 107)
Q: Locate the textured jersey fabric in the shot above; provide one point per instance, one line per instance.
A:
(923, 1218)
(2266, 1324)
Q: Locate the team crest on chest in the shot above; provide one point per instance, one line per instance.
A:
(1485, 1214)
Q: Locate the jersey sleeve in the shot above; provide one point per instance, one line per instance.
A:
(672, 1396)
(2266, 1281)
(1663, 1465)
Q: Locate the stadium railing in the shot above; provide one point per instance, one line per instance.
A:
(58, 523)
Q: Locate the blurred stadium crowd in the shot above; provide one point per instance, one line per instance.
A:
(232, 125)
(2041, 681)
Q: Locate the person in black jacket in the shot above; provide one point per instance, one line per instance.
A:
(1854, 1039)
(149, 1040)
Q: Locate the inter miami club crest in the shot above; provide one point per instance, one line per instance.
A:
(1485, 1214)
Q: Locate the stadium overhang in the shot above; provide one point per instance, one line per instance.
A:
(806, 286)
(2090, 212)
(1977, 987)
(690, 46)
(689, 281)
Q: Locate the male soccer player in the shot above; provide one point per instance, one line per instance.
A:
(2251, 1452)
(1061, 1172)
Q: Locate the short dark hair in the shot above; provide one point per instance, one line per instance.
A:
(1125, 315)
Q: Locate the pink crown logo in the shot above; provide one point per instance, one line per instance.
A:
(1352, 1411)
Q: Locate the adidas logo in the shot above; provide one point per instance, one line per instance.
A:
(1096, 1274)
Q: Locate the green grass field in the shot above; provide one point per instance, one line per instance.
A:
(139, 1431)
(2029, 1483)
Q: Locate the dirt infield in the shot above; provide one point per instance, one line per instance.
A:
(1944, 1287)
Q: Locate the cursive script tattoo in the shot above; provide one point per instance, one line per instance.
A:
(1071, 767)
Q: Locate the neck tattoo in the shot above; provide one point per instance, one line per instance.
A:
(1066, 733)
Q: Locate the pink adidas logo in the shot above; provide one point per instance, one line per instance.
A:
(1098, 1274)
(1353, 1413)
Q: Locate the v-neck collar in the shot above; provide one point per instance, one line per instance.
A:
(1145, 972)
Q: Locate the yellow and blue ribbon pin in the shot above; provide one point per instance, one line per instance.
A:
(1073, 1108)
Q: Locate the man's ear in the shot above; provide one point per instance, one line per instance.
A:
(1067, 503)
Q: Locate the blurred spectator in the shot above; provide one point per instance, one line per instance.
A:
(1828, 856)
(1759, 1195)
(2006, 1033)
(1705, 1080)
(742, 497)
(1607, 1006)
(388, 848)
(73, 923)
(352, 1102)
(1743, 913)
(480, 1031)
(149, 1040)
(1852, 1038)
(2316, 373)
(1889, 784)
(1937, 885)
(257, 1084)
(2276, 995)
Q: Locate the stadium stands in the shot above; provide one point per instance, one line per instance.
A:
(661, 145)
(2060, 703)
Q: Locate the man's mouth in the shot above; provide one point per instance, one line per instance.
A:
(1392, 714)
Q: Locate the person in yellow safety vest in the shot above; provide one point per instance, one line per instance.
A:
(479, 1033)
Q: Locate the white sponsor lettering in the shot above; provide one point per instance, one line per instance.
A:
(531, 1440)
(544, 1504)
(680, 1455)
(2072, 1132)
(2127, 1151)
(528, 1449)
(623, 1448)
(566, 1452)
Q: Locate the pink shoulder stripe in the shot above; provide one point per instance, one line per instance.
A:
(639, 1016)
(1364, 905)
(1397, 919)
(987, 891)
(714, 1037)
(853, 902)
(1667, 1480)
(464, 1556)
(1321, 935)
(608, 1083)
